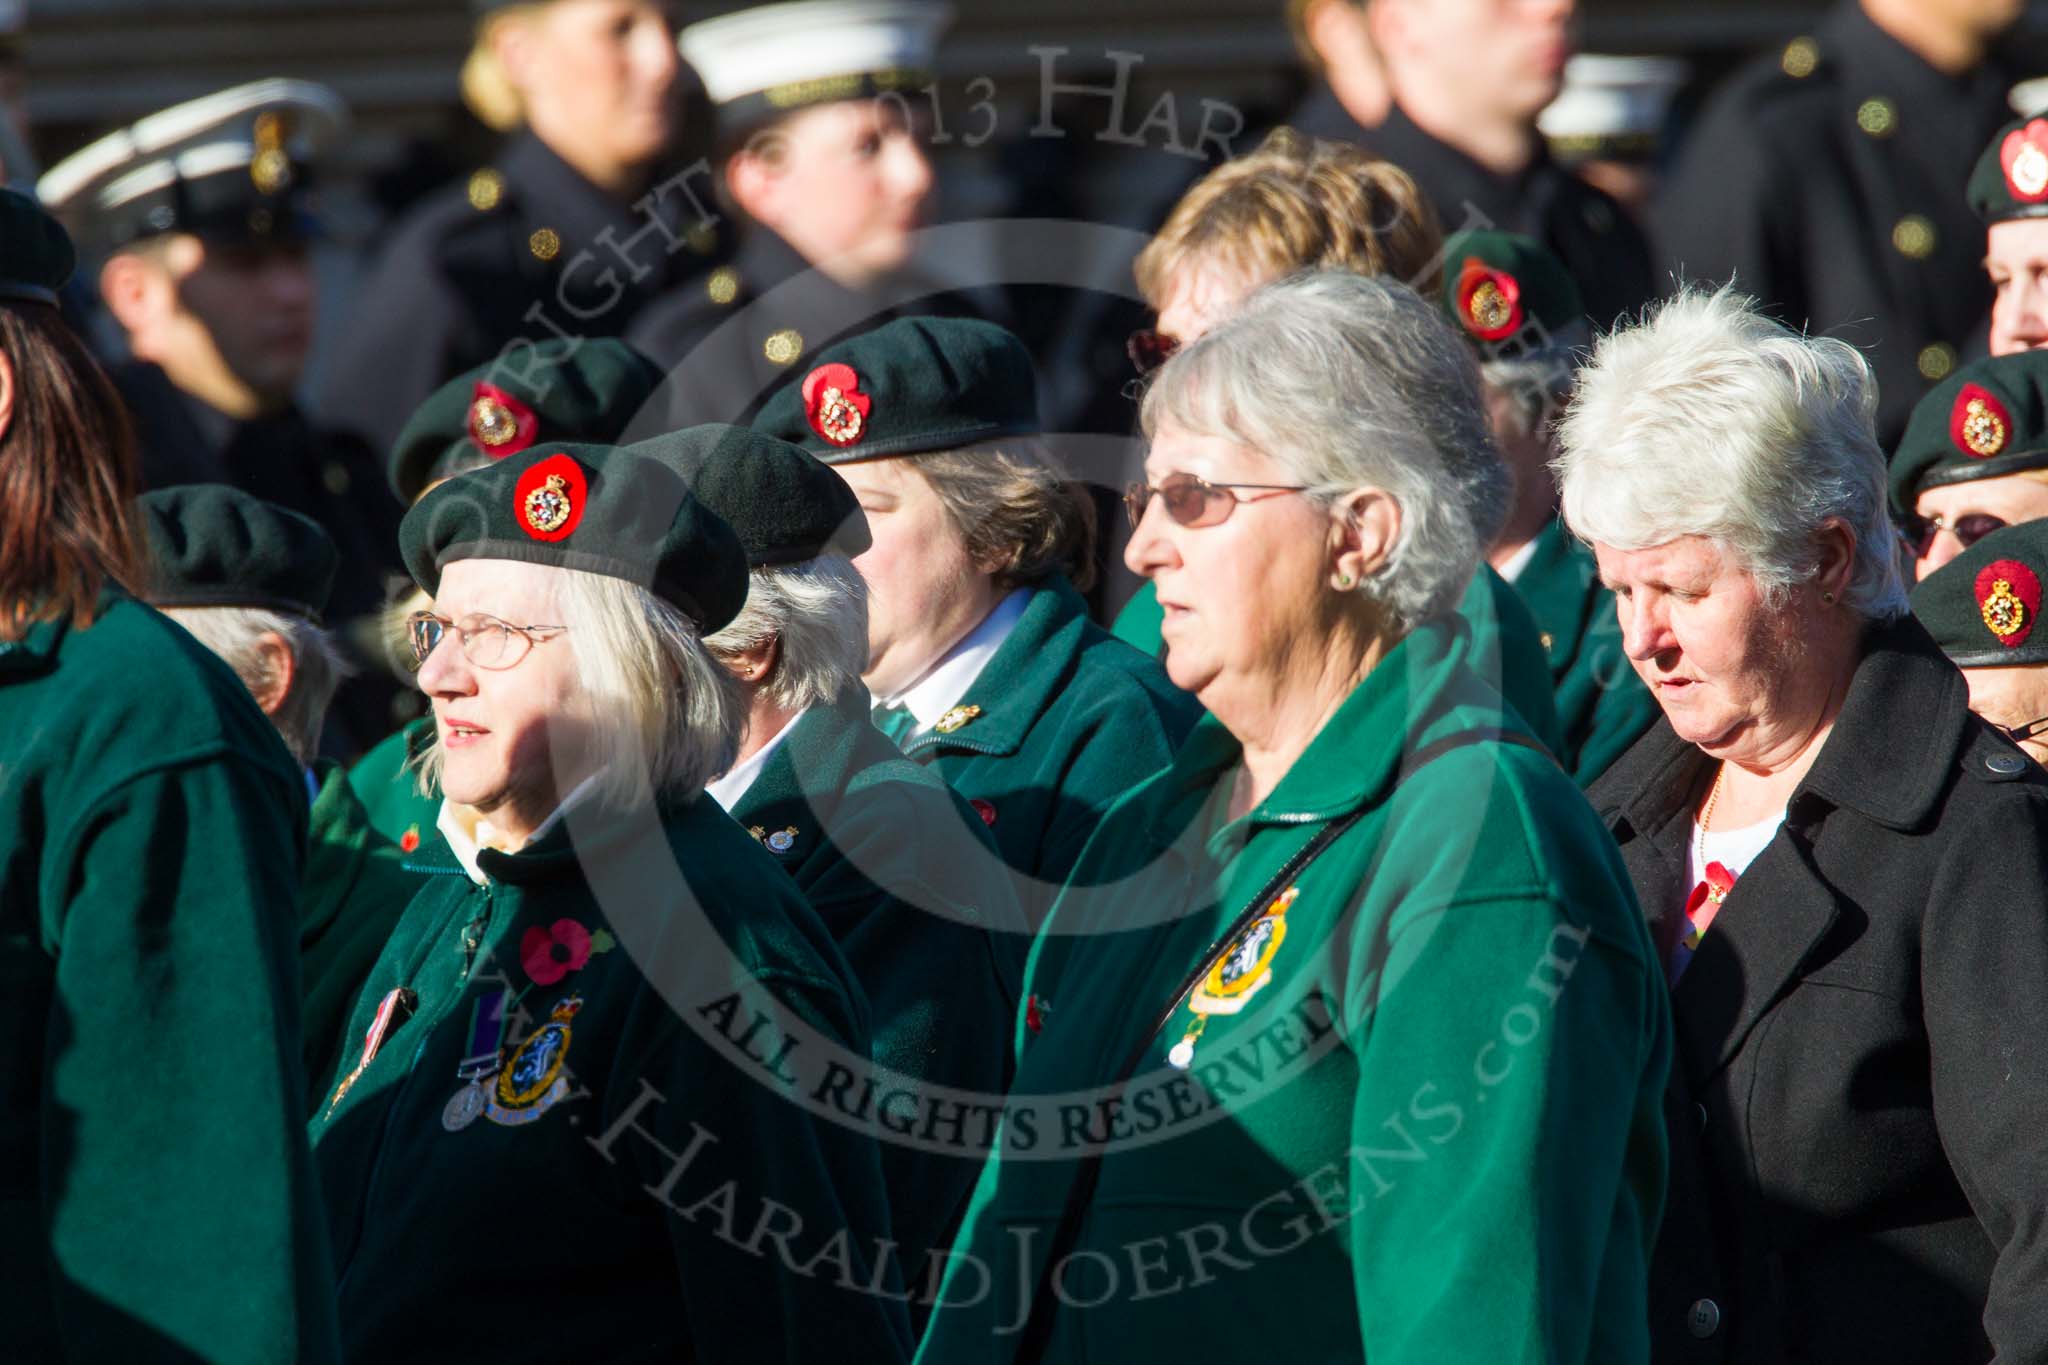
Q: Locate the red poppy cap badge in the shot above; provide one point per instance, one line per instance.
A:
(2024, 157)
(499, 423)
(1978, 423)
(2008, 598)
(548, 499)
(1489, 301)
(835, 406)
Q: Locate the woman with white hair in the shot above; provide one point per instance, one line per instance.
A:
(584, 1048)
(1845, 871)
(897, 865)
(1349, 1030)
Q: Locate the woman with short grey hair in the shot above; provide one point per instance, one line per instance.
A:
(1857, 975)
(1323, 911)
(1345, 383)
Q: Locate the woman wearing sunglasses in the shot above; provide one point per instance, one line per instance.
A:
(981, 657)
(1356, 1033)
(1974, 458)
(1299, 203)
(573, 1079)
(2007, 668)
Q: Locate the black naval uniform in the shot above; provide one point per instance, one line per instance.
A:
(457, 278)
(1584, 227)
(1828, 180)
(741, 345)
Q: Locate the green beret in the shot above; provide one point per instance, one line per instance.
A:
(2010, 179)
(1982, 607)
(910, 386)
(1987, 420)
(36, 256)
(1511, 295)
(554, 390)
(595, 508)
(785, 505)
(215, 546)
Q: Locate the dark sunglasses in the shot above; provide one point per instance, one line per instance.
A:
(1191, 501)
(1967, 529)
(1150, 348)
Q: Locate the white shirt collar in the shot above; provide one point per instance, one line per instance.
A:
(468, 832)
(1519, 560)
(727, 790)
(942, 687)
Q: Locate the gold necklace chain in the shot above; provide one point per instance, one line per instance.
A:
(1699, 837)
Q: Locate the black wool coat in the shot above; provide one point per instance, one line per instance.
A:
(1859, 1158)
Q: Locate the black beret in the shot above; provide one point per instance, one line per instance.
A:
(785, 505)
(1982, 607)
(1987, 420)
(36, 256)
(599, 509)
(554, 390)
(215, 546)
(2010, 179)
(910, 386)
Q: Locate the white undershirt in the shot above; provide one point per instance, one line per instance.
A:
(727, 790)
(469, 833)
(1734, 849)
(947, 681)
(1518, 561)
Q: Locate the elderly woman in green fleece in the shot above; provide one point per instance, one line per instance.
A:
(1345, 1041)
(575, 1097)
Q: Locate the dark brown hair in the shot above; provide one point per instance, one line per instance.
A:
(67, 477)
(1018, 513)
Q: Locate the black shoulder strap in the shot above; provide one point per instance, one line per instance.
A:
(1037, 1332)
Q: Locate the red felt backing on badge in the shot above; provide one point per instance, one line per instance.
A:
(1489, 301)
(500, 423)
(2009, 600)
(2024, 158)
(834, 405)
(548, 499)
(1978, 423)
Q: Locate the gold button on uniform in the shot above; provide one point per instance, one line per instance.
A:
(784, 347)
(545, 244)
(1802, 55)
(701, 239)
(724, 284)
(1877, 116)
(335, 476)
(486, 188)
(1936, 361)
(1914, 237)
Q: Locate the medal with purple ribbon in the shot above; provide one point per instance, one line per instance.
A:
(479, 1061)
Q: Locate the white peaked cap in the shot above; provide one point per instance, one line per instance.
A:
(1613, 97)
(772, 47)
